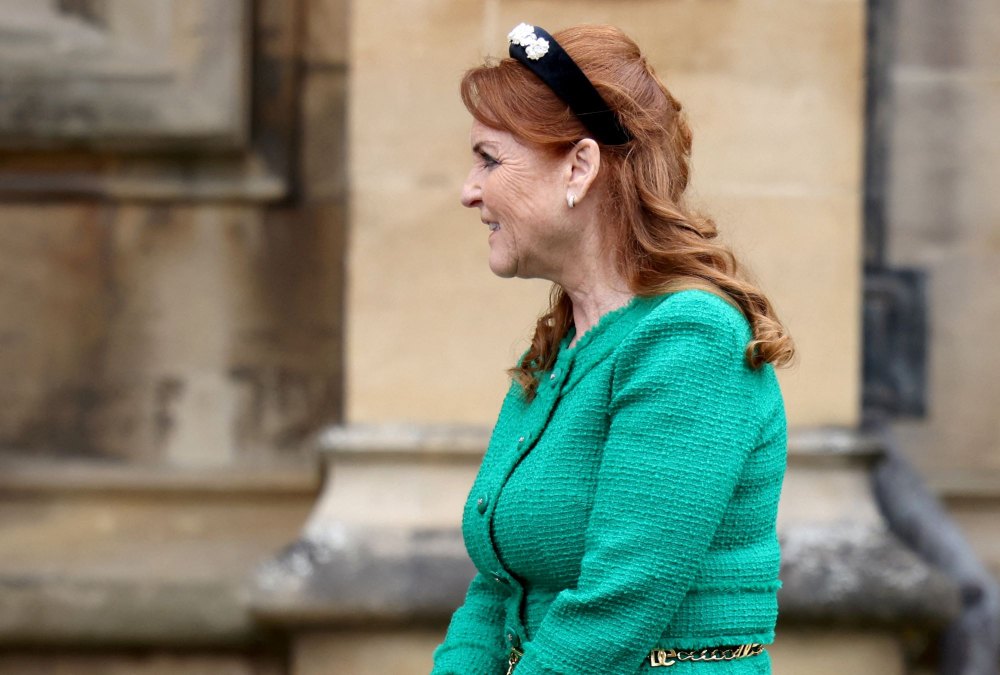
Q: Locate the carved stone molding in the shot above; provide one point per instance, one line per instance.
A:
(115, 99)
(124, 75)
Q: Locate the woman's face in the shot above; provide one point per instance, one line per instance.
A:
(520, 192)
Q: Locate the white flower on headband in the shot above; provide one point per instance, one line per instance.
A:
(524, 35)
(537, 49)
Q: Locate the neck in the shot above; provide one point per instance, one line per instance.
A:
(589, 275)
(595, 295)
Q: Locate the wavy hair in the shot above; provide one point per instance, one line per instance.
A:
(659, 244)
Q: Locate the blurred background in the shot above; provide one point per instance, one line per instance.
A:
(251, 349)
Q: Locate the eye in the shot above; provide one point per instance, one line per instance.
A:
(488, 160)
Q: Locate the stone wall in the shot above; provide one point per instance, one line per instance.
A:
(164, 300)
(170, 317)
(173, 317)
(942, 161)
(774, 93)
(944, 218)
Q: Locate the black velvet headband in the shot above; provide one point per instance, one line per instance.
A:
(542, 55)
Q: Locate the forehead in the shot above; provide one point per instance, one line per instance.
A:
(481, 133)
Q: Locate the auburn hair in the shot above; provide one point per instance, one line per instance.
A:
(659, 244)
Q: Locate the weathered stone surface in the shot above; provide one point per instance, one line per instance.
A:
(159, 559)
(943, 217)
(45, 612)
(355, 576)
(150, 663)
(324, 136)
(327, 35)
(193, 169)
(843, 573)
(199, 335)
(401, 651)
(171, 73)
(854, 574)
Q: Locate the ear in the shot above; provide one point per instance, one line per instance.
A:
(583, 163)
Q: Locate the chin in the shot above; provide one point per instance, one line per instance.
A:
(502, 263)
(503, 272)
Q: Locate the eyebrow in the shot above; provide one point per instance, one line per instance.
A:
(480, 147)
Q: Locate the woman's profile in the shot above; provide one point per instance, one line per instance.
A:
(623, 518)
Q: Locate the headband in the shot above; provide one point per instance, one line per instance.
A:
(542, 55)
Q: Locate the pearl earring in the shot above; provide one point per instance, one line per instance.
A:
(571, 200)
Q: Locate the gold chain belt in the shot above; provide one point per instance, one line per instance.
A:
(512, 660)
(668, 657)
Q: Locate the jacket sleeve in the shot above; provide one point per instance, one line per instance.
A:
(474, 643)
(681, 427)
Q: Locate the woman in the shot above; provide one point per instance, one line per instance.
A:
(623, 518)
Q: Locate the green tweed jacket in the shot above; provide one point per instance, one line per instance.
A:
(631, 505)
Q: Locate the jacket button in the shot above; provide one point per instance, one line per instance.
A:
(500, 579)
(554, 375)
(521, 439)
(481, 504)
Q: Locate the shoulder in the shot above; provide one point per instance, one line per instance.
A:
(690, 349)
(691, 318)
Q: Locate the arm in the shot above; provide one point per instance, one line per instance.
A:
(474, 643)
(682, 425)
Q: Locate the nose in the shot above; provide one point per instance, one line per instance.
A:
(472, 192)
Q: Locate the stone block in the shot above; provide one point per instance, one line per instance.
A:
(327, 36)
(99, 557)
(431, 332)
(958, 35)
(803, 248)
(826, 493)
(408, 125)
(963, 366)
(324, 135)
(752, 38)
(823, 652)
(155, 663)
(790, 138)
(160, 50)
(125, 78)
(54, 281)
(188, 335)
(773, 89)
(804, 251)
(365, 652)
(418, 476)
(946, 155)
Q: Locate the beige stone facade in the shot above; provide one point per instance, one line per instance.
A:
(183, 317)
(774, 94)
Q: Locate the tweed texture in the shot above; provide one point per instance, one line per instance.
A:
(630, 505)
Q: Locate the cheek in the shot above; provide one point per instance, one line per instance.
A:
(523, 188)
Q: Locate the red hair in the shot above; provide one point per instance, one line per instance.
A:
(658, 243)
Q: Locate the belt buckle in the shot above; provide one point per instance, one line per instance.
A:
(662, 657)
